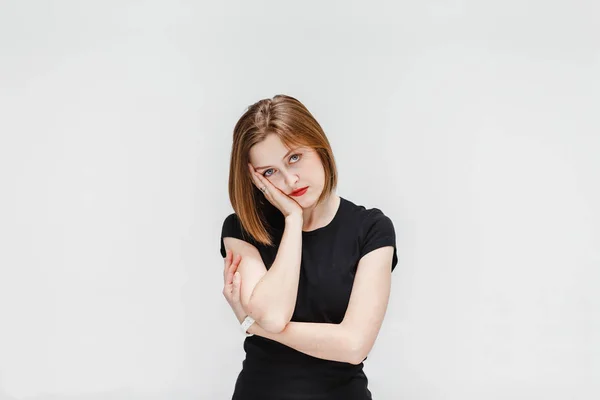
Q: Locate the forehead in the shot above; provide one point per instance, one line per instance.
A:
(272, 149)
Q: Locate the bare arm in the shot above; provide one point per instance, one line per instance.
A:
(270, 296)
(353, 339)
(327, 341)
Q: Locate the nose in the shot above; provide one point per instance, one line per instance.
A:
(290, 179)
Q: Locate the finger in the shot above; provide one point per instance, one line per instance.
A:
(228, 284)
(230, 271)
(264, 182)
(235, 294)
(253, 174)
(226, 263)
(236, 263)
(269, 188)
(232, 268)
(227, 289)
(259, 180)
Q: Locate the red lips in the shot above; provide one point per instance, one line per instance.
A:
(299, 192)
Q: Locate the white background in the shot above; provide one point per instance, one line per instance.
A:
(472, 124)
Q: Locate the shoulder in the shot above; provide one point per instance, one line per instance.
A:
(365, 217)
(232, 227)
(374, 228)
(231, 219)
(231, 223)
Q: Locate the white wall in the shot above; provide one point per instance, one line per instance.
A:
(472, 124)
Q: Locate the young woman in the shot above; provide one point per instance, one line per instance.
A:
(307, 272)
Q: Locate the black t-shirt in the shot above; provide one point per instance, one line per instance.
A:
(330, 256)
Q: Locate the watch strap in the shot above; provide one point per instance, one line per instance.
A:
(248, 321)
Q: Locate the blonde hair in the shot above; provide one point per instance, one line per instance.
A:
(291, 121)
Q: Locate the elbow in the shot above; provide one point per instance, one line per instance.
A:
(268, 320)
(358, 351)
(356, 358)
(273, 325)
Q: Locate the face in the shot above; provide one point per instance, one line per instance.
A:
(289, 169)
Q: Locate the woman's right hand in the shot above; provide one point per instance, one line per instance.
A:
(280, 200)
(232, 283)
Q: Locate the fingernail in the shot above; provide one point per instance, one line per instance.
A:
(236, 276)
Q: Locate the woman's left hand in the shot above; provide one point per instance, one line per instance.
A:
(232, 283)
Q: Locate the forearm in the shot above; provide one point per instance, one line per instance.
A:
(274, 296)
(326, 341)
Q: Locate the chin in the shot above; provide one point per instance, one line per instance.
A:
(306, 202)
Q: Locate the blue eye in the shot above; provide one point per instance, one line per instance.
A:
(292, 156)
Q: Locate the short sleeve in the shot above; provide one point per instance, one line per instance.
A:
(378, 231)
(232, 227)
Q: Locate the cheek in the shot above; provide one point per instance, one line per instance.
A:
(277, 182)
(317, 172)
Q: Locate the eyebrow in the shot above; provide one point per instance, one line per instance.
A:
(284, 157)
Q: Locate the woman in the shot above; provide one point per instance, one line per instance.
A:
(307, 270)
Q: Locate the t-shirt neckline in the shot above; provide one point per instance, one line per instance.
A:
(330, 224)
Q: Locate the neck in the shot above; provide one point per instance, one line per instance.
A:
(318, 216)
